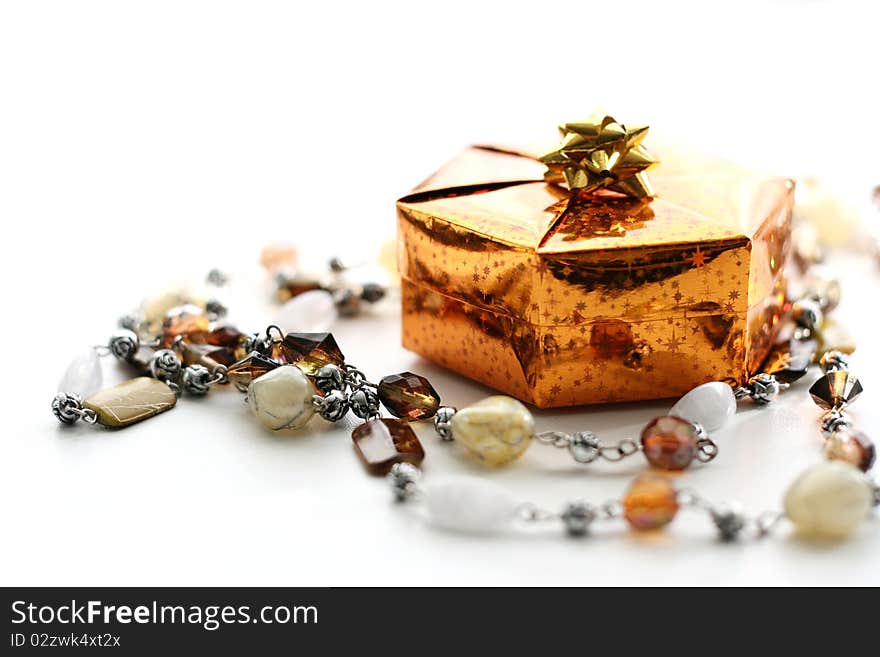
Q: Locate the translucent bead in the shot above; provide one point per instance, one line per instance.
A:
(83, 376)
(669, 443)
(469, 505)
(829, 500)
(309, 312)
(710, 405)
(650, 503)
(849, 446)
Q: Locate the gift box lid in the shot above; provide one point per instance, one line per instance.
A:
(494, 201)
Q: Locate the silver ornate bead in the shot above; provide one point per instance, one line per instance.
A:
(216, 308)
(364, 403)
(807, 313)
(124, 344)
(403, 478)
(584, 447)
(443, 422)
(65, 407)
(332, 406)
(165, 365)
(257, 342)
(729, 521)
(217, 278)
(763, 388)
(834, 420)
(197, 380)
(329, 378)
(833, 361)
(372, 292)
(577, 517)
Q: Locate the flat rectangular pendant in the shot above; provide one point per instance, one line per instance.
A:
(131, 401)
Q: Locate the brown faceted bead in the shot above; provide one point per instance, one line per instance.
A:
(790, 360)
(188, 321)
(383, 442)
(409, 396)
(208, 355)
(293, 287)
(241, 373)
(853, 447)
(651, 502)
(225, 335)
(310, 351)
(835, 389)
(669, 442)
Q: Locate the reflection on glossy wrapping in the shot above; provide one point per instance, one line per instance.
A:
(562, 299)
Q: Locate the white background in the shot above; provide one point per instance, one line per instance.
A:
(143, 143)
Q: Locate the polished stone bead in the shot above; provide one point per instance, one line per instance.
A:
(829, 500)
(835, 389)
(188, 321)
(83, 376)
(409, 396)
(496, 430)
(710, 405)
(385, 441)
(790, 360)
(470, 505)
(651, 502)
(669, 443)
(131, 401)
(142, 358)
(282, 398)
(310, 312)
(310, 351)
(242, 372)
(853, 447)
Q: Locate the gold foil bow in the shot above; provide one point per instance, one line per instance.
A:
(601, 154)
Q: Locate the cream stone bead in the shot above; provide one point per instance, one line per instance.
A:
(495, 430)
(282, 398)
(828, 500)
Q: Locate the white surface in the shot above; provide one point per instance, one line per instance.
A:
(141, 144)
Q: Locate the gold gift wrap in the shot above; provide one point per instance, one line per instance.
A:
(560, 298)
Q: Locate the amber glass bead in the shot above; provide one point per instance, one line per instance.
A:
(294, 286)
(250, 367)
(385, 441)
(188, 321)
(208, 355)
(279, 257)
(310, 351)
(790, 360)
(853, 447)
(225, 335)
(409, 396)
(651, 502)
(835, 389)
(669, 442)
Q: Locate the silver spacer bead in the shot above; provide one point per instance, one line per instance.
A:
(763, 388)
(443, 422)
(577, 517)
(729, 520)
(217, 278)
(197, 380)
(364, 402)
(332, 406)
(807, 313)
(124, 344)
(165, 365)
(403, 478)
(834, 420)
(329, 378)
(67, 407)
(584, 446)
(216, 308)
(833, 361)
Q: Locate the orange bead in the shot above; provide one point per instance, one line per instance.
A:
(669, 443)
(650, 502)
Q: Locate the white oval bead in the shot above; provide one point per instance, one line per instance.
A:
(710, 405)
(309, 312)
(282, 398)
(83, 376)
(469, 505)
(828, 500)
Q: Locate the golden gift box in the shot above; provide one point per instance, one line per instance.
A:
(562, 298)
